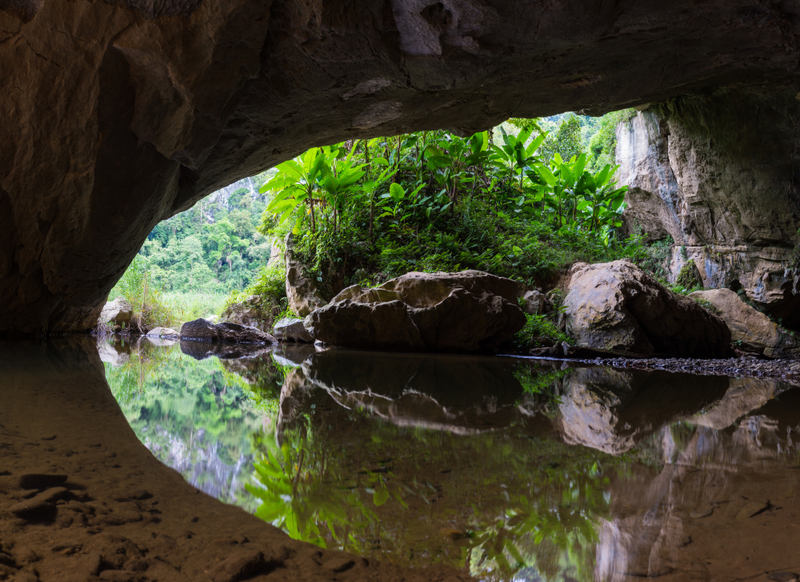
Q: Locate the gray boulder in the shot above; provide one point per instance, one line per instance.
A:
(291, 330)
(469, 311)
(617, 306)
(753, 330)
(204, 330)
(118, 312)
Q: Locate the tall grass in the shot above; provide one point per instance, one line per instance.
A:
(186, 306)
(153, 308)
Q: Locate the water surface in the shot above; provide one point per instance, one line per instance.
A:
(509, 469)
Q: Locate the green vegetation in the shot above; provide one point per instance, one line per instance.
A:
(199, 417)
(192, 262)
(523, 203)
(371, 210)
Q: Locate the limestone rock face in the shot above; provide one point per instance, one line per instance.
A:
(292, 330)
(437, 312)
(706, 172)
(134, 111)
(252, 312)
(752, 328)
(302, 293)
(117, 311)
(617, 306)
(204, 330)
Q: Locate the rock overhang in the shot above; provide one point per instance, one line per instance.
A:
(119, 114)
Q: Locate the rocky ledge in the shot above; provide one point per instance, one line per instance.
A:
(470, 311)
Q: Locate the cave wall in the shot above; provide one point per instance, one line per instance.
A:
(720, 175)
(117, 114)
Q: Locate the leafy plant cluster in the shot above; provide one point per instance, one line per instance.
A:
(370, 210)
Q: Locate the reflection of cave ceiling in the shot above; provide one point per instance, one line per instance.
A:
(117, 114)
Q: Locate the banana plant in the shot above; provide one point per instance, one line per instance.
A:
(450, 158)
(398, 204)
(513, 157)
(603, 201)
(338, 177)
(295, 184)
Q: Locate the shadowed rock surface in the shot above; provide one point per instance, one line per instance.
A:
(617, 306)
(470, 311)
(120, 114)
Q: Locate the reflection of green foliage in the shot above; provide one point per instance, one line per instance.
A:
(292, 499)
(193, 412)
(493, 502)
(536, 382)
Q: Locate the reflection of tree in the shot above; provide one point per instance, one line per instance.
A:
(195, 416)
(495, 502)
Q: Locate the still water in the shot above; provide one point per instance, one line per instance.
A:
(508, 469)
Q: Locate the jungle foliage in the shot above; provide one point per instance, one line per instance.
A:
(366, 211)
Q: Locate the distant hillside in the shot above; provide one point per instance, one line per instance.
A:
(214, 246)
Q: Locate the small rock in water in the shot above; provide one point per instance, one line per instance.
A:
(752, 509)
(699, 513)
(41, 480)
(41, 503)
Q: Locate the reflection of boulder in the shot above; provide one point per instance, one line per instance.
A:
(200, 350)
(469, 311)
(111, 355)
(233, 333)
(743, 395)
(617, 306)
(610, 410)
(294, 354)
(445, 392)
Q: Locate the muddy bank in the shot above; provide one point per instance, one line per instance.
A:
(82, 499)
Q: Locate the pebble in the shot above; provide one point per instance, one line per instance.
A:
(38, 504)
(752, 509)
(41, 480)
(788, 370)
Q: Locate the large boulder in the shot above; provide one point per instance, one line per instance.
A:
(469, 311)
(750, 328)
(118, 312)
(255, 311)
(292, 330)
(302, 293)
(617, 306)
(204, 330)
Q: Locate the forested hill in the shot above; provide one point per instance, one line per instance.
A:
(215, 246)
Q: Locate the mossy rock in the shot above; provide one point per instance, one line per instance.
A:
(689, 276)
